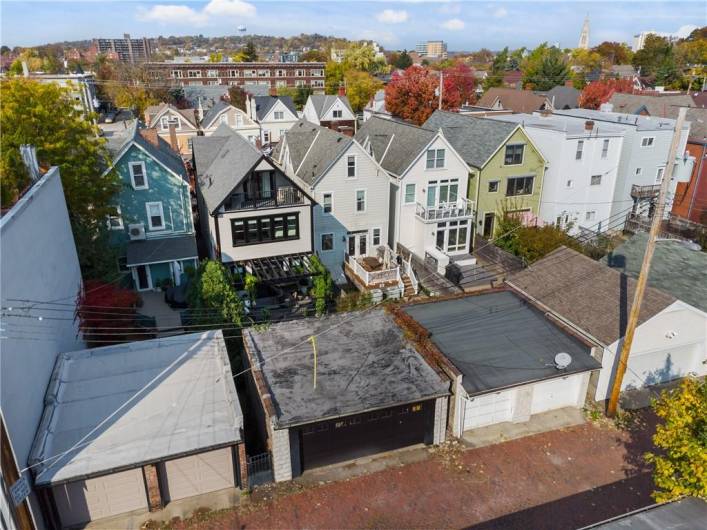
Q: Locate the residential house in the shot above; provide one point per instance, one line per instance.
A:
(513, 79)
(582, 165)
(515, 100)
(47, 270)
(546, 366)
(562, 97)
(274, 114)
(81, 88)
(223, 112)
(248, 208)
(334, 112)
(595, 300)
(430, 215)
(133, 427)
(350, 190)
(650, 105)
(507, 170)
(153, 225)
(375, 391)
(376, 106)
(644, 156)
(176, 126)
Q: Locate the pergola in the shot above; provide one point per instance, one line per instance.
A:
(282, 269)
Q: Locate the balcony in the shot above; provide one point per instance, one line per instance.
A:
(448, 211)
(370, 272)
(278, 198)
(645, 192)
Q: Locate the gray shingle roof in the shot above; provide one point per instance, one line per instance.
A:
(322, 103)
(317, 146)
(595, 298)
(214, 111)
(221, 161)
(676, 269)
(263, 104)
(407, 143)
(512, 99)
(563, 97)
(161, 250)
(187, 114)
(475, 139)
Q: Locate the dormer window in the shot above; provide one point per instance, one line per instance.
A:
(435, 158)
(338, 114)
(166, 121)
(279, 115)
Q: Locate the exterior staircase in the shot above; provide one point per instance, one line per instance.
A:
(409, 290)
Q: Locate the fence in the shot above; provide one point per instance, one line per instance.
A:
(260, 469)
(491, 254)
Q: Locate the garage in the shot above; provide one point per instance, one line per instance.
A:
(86, 500)
(558, 393)
(197, 474)
(488, 409)
(329, 442)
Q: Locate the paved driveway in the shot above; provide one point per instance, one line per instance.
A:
(557, 480)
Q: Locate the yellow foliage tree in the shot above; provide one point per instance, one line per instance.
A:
(360, 88)
(681, 462)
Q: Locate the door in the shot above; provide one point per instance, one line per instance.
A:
(488, 409)
(441, 193)
(451, 236)
(144, 282)
(198, 474)
(557, 393)
(488, 225)
(357, 244)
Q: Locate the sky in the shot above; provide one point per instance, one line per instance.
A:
(465, 25)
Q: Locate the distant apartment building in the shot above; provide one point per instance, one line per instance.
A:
(434, 49)
(127, 49)
(639, 40)
(82, 88)
(289, 57)
(272, 75)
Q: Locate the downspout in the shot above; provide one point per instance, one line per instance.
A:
(218, 236)
(699, 174)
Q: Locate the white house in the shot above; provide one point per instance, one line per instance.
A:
(582, 168)
(429, 212)
(334, 112)
(274, 114)
(176, 126)
(225, 113)
(376, 106)
(38, 281)
(248, 208)
(644, 155)
(350, 190)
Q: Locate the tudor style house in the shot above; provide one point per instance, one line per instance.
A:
(350, 190)
(274, 114)
(175, 126)
(248, 208)
(222, 112)
(430, 214)
(334, 112)
(506, 168)
(153, 225)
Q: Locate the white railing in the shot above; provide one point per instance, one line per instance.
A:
(407, 270)
(458, 209)
(374, 277)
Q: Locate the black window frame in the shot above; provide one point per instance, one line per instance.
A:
(497, 184)
(509, 156)
(270, 237)
(512, 182)
(321, 241)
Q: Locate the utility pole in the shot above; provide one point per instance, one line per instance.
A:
(645, 267)
(441, 85)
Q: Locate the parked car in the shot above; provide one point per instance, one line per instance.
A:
(110, 116)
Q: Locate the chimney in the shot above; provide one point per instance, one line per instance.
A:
(342, 90)
(199, 111)
(588, 125)
(172, 138)
(151, 136)
(25, 69)
(273, 91)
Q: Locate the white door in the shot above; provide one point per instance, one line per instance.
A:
(198, 474)
(557, 393)
(88, 500)
(358, 244)
(488, 409)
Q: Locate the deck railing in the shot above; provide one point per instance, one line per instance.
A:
(372, 278)
(459, 209)
(284, 196)
(407, 270)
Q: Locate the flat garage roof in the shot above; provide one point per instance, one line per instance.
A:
(364, 363)
(498, 340)
(163, 397)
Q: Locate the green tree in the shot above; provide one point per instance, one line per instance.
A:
(215, 57)
(654, 54)
(545, 68)
(614, 52)
(249, 53)
(681, 439)
(322, 286)
(43, 115)
(212, 297)
(359, 58)
(403, 60)
(531, 243)
(317, 56)
(333, 76)
(301, 96)
(360, 88)
(237, 97)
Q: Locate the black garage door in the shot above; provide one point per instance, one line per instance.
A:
(355, 436)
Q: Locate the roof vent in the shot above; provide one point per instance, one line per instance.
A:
(562, 360)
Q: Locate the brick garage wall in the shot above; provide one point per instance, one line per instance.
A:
(440, 421)
(152, 483)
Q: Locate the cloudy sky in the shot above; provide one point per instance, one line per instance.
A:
(466, 25)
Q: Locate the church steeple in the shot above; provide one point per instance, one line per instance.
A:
(584, 36)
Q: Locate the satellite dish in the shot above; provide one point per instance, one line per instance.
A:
(562, 360)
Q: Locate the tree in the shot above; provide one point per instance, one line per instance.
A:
(544, 68)
(681, 438)
(587, 60)
(461, 77)
(248, 54)
(322, 286)
(614, 52)
(43, 115)
(237, 96)
(333, 76)
(654, 54)
(107, 314)
(403, 60)
(301, 96)
(360, 88)
(531, 243)
(359, 58)
(215, 57)
(212, 297)
(317, 56)
(598, 92)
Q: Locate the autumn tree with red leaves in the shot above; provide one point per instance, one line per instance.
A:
(598, 92)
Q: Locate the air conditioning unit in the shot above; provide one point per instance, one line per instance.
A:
(136, 231)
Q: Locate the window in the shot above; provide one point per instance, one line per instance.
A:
(177, 74)
(299, 73)
(318, 83)
(138, 175)
(266, 137)
(647, 141)
(115, 222)
(639, 170)
(233, 73)
(280, 83)
(493, 186)
(580, 148)
(570, 183)
(514, 154)
(376, 237)
(360, 201)
(223, 118)
(337, 114)
(659, 175)
(595, 180)
(409, 193)
(327, 202)
(239, 120)
(590, 216)
(155, 215)
(263, 73)
(519, 186)
(280, 73)
(166, 121)
(327, 242)
(605, 149)
(248, 73)
(279, 115)
(269, 228)
(194, 73)
(351, 166)
(211, 73)
(435, 158)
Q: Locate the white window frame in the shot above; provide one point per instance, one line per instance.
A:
(223, 118)
(498, 186)
(144, 175)
(239, 119)
(333, 242)
(329, 194)
(659, 174)
(279, 115)
(233, 73)
(149, 216)
(119, 217)
(169, 119)
(435, 159)
(648, 141)
(365, 201)
(340, 113)
(211, 73)
(414, 194)
(266, 136)
(193, 73)
(605, 148)
(591, 180)
(579, 153)
(348, 166)
(590, 215)
(373, 237)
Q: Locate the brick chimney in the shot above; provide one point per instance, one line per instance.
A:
(588, 125)
(342, 90)
(173, 138)
(273, 91)
(151, 136)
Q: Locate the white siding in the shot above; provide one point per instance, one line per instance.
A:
(558, 393)
(198, 474)
(274, 127)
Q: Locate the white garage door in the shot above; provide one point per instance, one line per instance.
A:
(96, 498)
(197, 474)
(557, 393)
(488, 409)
